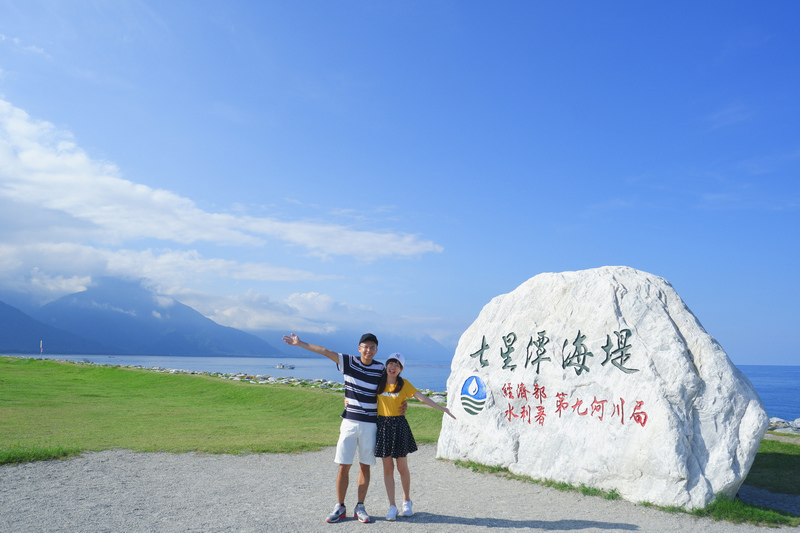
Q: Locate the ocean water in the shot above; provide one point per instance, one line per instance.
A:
(778, 386)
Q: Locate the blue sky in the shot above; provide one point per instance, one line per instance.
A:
(392, 166)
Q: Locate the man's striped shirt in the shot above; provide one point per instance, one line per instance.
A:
(360, 387)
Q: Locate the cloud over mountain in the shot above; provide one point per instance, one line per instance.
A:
(68, 218)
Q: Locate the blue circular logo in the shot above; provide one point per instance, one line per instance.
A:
(473, 395)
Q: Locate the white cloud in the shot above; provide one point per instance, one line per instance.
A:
(65, 268)
(728, 116)
(172, 266)
(329, 239)
(253, 311)
(310, 312)
(109, 307)
(311, 302)
(17, 43)
(313, 312)
(300, 312)
(45, 284)
(164, 301)
(42, 167)
(66, 218)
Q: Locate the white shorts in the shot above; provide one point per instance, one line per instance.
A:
(353, 435)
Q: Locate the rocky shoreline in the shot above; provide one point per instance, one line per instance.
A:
(779, 425)
(257, 379)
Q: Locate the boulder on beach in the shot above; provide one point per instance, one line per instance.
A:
(782, 426)
(605, 378)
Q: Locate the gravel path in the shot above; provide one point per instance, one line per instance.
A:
(121, 491)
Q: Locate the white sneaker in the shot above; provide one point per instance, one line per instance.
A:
(361, 513)
(407, 508)
(391, 516)
(338, 513)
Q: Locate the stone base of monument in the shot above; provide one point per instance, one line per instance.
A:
(603, 377)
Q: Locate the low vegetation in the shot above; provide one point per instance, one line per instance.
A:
(50, 410)
(776, 467)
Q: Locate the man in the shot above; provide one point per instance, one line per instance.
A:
(358, 428)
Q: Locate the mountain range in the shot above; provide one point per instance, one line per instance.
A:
(115, 316)
(21, 333)
(121, 317)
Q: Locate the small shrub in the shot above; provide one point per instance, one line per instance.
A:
(736, 511)
(590, 491)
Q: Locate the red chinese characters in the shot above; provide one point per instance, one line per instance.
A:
(508, 391)
(561, 403)
(639, 416)
(539, 393)
(540, 415)
(519, 395)
(599, 406)
(510, 413)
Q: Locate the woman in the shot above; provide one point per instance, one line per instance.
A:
(394, 440)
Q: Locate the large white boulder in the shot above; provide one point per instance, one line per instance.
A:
(603, 377)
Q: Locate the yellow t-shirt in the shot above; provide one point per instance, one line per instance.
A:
(389, 401)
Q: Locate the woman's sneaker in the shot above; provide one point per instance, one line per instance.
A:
(407, 508)
(391, 516)
(338, 513)
(361, 513)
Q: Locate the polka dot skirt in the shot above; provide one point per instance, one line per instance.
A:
(394, 438)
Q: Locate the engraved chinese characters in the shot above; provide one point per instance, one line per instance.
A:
(518, 406)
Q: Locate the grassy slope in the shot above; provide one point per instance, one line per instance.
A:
(46, 405)
(776, 467)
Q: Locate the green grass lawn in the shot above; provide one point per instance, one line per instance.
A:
(776, 467)
(50, 408)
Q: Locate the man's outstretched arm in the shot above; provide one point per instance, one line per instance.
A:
(294, 340)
